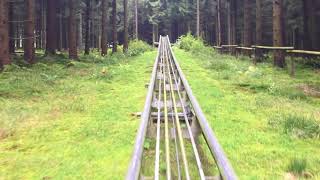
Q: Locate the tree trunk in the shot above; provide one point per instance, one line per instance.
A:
(219, 23)
(317, 25)
(198, 18)
(247, 23)
(11, 29)
(44, 25)
(104, 22)
(66, 33)
(114, 26)
(228, 23)
(258, 22)
(125, 39)
(92, 27)
(157, 33)
(60, 32)
(309, 24)
(4, 35)
(51, 27)
(258, 28)
(153, 34)
(278, 41)
(80, 41)
(136, 19)
(87, 24)
(29, 49)
(58, 28)
(233, 7)
(73, 53)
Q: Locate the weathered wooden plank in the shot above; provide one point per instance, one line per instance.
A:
(245, 48)
(226, 46)
(317, 53)
(273, 47)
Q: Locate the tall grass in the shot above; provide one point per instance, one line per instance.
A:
(302, 127)
(297, 126)
(297, 166)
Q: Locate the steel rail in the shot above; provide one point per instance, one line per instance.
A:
(174, 132)
(175, 141)
(224, 166)
(157, 159)
(180, 137)
(166, 123)
(194, 146)
(135, 164)
(167, 72)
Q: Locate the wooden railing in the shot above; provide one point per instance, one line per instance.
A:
(257, 53)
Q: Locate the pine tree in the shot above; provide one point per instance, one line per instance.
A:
(11, 29)
(29, 27)
(233, 24)
(247, 24)
(219, 37)
(309, 25)
(104, 22)
(114, 26)
(87, 26)
(4, 35)
(73, 52)
(198, 17)
(136, 32)
(278, 38)
(51, 44)
(258, 28)
(125, 39)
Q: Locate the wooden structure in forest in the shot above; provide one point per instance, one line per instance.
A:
(257, 53)
(299, 53)
(244, 50)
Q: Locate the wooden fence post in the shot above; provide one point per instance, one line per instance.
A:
(292, 67)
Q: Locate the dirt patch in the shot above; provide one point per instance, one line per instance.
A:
(289, 176)
(46, 178)
(55, 113)
(4, 134)
(310, 90)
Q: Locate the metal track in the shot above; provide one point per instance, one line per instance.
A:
(174, 121)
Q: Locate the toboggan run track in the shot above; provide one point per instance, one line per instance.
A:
(174, 121)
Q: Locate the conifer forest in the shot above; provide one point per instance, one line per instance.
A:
(160, 89)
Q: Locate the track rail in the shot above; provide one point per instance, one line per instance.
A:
(173, 120)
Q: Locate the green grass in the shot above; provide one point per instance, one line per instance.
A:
(65, 119)
(71, 120)
(301, 127)
(256, 112)
(297, 166)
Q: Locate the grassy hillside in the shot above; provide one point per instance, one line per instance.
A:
(62, 119)
(267, 122)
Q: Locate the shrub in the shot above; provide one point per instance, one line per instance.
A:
(194, 45)
(137, 47)
(187, 42)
